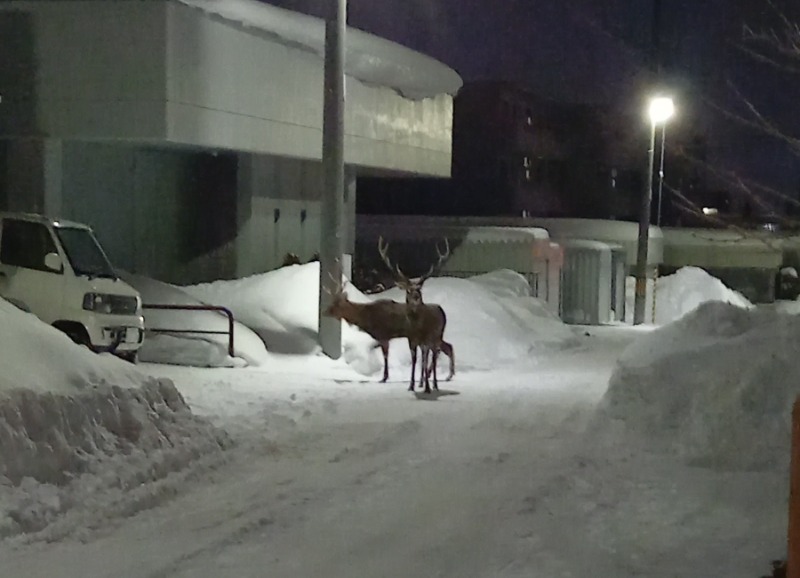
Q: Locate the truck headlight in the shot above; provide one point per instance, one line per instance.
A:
(97, 302)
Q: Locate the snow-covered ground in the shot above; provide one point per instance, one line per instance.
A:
(555, 451)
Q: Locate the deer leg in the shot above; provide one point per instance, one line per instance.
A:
(425, 352)
(435, 355)
(413, 365)
(433, 362)
(448, 350)
(423, 366)
(385, 349)
(432, 365)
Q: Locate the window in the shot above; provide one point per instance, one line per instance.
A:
(24, 244)
(84, 253)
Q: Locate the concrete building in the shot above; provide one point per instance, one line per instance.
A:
(515, 153)
(188, 133)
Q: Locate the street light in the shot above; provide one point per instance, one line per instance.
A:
(660, 110)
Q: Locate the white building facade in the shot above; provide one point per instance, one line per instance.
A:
(188, 133)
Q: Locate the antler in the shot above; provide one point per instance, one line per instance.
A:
(442, 257)
(338, 285)
(383, 250)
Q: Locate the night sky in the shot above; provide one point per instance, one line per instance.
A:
(576, 50)
(518, 40)
(596, 51)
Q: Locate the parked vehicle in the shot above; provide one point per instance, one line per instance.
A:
(57, 270)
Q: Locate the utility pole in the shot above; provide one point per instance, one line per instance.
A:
(643, 238)
(644, 233)
(331, 236)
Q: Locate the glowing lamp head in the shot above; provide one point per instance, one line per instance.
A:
(661, 109)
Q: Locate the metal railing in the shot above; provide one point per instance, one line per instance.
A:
(224, 310)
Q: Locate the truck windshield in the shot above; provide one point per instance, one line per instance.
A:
(84, 253)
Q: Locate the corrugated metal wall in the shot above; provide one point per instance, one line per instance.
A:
(590, 283)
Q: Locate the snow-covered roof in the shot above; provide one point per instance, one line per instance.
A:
(418, 227)
(588, 244)
(735, 240)
(597, 229)
(505, 234)
(369, 58)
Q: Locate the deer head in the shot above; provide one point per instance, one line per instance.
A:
(339, 302)
(412, 286)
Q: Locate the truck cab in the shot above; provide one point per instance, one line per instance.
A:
(58, 271)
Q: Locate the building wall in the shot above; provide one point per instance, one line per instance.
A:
(236, 88)
(164, 71)
(177, 215)
(283, 216)
(82, 69)
(169, 214)
(191, 144)
(516, 153)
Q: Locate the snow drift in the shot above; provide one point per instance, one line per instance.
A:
(686, 289)
(281, 307)
(716, 386)
(181, 348)
(680, 293)
(73, 423)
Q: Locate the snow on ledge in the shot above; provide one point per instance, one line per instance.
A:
(369, 58)
(506, 234)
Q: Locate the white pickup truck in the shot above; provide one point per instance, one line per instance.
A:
(57, 270)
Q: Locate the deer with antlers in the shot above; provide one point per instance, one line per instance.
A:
(420, 312)
(385, 320)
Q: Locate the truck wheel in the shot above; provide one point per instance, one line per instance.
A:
(76, 332)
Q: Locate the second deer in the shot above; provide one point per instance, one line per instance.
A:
(422, 313)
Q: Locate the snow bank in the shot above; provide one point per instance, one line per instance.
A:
(491, 319)
(73, 423)
(280, 306)
(38, 357)
(60, 451)
(716, 387)
(686, 289)
(680, 293)
(199, 350)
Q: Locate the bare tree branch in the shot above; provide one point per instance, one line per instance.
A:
(758, 122)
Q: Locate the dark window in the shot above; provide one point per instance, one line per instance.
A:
(24, 244)
(84, 253)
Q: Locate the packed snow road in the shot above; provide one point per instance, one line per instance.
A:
(337, 478)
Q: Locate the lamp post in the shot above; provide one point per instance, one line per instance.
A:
(331, 242)
(660, 110)
(661, 173)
